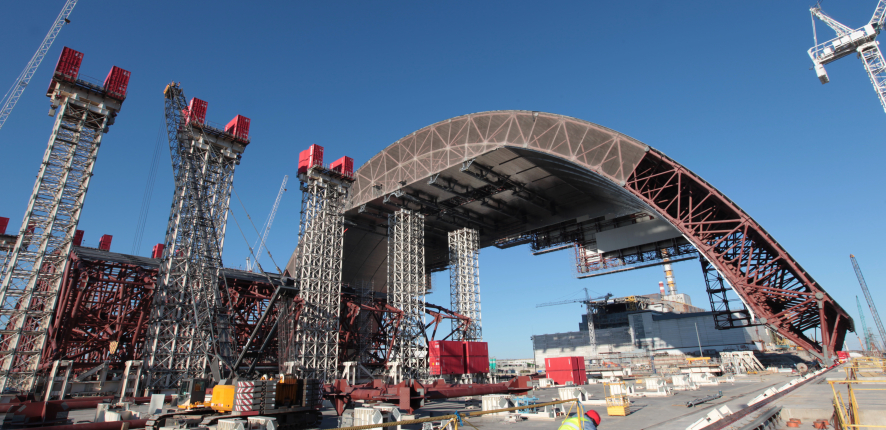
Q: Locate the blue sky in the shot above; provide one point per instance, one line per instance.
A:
(725, 88)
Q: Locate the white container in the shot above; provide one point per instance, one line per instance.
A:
(232, 424)
(262, 423)
(367, 416)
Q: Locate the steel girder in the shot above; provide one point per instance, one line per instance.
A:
(776, 289)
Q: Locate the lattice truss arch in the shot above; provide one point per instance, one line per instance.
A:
(189, 324)
(593, 152)
(464, 281)
(34, 274)
(780, 293)
(406, 290)
(317, 275)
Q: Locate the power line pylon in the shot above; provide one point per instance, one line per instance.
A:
(24, 78)
(867, 295)
(83, 111)
(861, 41)
(464, 281)
(190, 329)
(317, 268)
(406, 290)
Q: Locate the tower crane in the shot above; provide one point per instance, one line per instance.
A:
(864, 327)
(591, 303)
(867, 295)
(848, 41)
(21, 82)
(251, 266)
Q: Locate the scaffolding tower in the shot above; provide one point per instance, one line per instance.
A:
(464, 281)
(317, 275)
(406, 290)
(30, 285)
(190, 329)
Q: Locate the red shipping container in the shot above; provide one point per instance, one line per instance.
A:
(78, 237)
(313, 156)
(117, 82)
(105, 242)
(3, 223)
(344, 165)
(561, 377)
(68, 65)
(477, 357)
(196, 111)
(446, 357)
(158, 250)
(239, 127)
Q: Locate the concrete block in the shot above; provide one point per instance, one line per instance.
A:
(100, 410)
(156, 405)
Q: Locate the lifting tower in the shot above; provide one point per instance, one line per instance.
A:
(464, 281)
(406, 290)
(867, 295)
(30, 287)
(190, 329)
(860, 41)
(310, 350)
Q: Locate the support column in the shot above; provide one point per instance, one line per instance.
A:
(406, 290)
(464, 281)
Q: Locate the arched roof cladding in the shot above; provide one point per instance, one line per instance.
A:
(448, 143)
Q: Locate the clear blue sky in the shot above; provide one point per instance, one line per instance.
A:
(725, 88)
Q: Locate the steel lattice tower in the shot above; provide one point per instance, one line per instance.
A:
(189, 326)
(318, 276)
(406, 290)
(464, 280)
(30, 285)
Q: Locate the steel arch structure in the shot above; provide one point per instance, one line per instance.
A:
(779, 292)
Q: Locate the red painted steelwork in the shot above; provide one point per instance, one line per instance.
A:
(410, 395)
(102, 313)
(779, 292)
(367, 331)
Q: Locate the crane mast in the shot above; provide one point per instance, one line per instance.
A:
(251, 266)
(190, 328)
(861, 41)
(24, 78)
(864, 327)
(867, 295)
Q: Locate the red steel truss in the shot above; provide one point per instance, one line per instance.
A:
(367, 331)
(779, 292)
(101, 315)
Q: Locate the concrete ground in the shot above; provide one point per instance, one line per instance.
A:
(646, 412)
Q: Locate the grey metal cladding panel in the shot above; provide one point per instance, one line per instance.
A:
(636, 234)
(450, 142)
